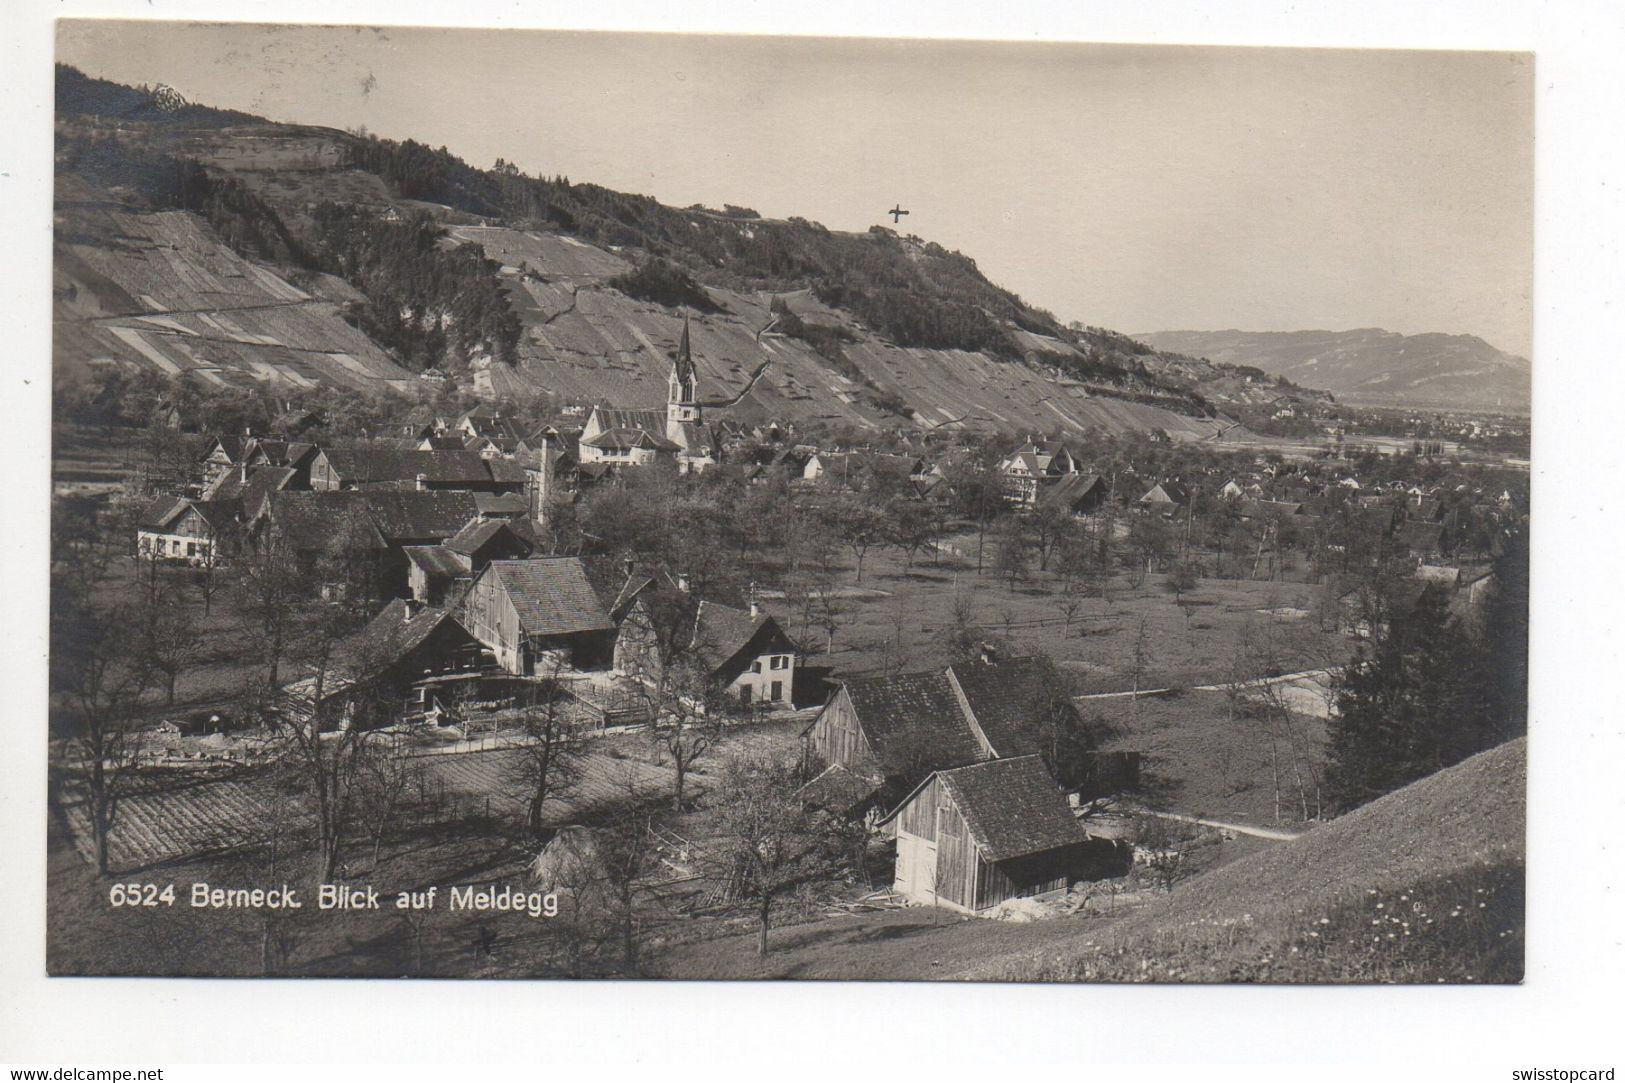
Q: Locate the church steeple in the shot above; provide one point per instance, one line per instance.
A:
(682, 399)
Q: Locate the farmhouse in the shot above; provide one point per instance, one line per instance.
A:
(1076, 494)
(1166, 497)
(1032, 469)
(973, 837)
(746, 652)
(175, 528)
(364, 525)
(538, 613)
(435, 571)
(401, 665)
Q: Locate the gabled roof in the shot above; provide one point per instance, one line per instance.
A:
(362, 465)
(312, 520)
(436, 560)
(1072, 488)
(610, 417)
(262, 481)
(1012, 807)
(999, 698)
(473, 537)
(628, 594)
(894, 711)
(501, 503)
(839, 790)
(626, 439)
(395, 632)
(1174, 491)
(721, 632)
(551, 595)
(1419, 534)
(161, 511)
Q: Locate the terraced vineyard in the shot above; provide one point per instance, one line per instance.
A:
(158, 290)
(587, 342)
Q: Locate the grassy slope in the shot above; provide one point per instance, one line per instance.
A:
(1453, 841)
(1437, 865)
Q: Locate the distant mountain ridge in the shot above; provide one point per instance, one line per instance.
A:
(1370, 365)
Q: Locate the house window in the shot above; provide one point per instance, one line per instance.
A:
(780, 661)
(191, 549)
(744, 693)
(778, 691)
(756, 666)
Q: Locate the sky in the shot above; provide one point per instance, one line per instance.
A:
(1140, 188)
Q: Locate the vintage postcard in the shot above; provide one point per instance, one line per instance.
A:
(532, 504)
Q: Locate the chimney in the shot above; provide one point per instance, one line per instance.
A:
(682, 582)
(410, 608)
(242, 471)
(627, 564)
(423, 481)
(755, 610)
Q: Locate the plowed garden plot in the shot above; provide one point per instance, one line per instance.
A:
(184, 814)
(180, 814)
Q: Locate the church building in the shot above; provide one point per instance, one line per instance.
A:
(620, 437)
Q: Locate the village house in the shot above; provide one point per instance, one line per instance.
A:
(363, 528)
(1077, 494)
(540, 615)
(223, 453)
(1033, 468)
(746, 653)
(973, 837)
(436, 570)
(1166, 498)
(178, 529)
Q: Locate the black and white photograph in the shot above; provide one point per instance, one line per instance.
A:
(532, 504)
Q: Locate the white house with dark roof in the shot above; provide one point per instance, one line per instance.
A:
(177, 529)
(747, 652)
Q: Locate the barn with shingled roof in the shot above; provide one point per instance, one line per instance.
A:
(974, 837)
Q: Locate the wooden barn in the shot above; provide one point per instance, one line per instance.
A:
(531, 613)
(900, 728)
(973, 837)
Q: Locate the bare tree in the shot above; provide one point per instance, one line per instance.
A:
(547, 763)
(271, 590)
(770, 845)
(98, 666)
(324, 723)
(685, 704)
(386, 777)
(169, 637)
